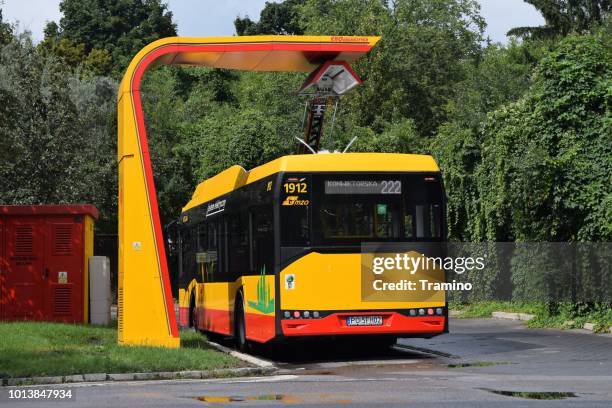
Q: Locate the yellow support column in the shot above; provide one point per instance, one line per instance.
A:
(145, 306)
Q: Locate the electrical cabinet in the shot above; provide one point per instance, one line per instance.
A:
(44, 251)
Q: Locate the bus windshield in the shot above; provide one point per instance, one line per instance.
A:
(345, 210)
(343, 218)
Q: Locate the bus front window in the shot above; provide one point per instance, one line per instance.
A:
(350, 219)
(346, 210)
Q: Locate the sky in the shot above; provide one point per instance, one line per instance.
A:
(214, 17)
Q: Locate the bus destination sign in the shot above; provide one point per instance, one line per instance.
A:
(363, 187)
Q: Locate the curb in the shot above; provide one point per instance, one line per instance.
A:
(176, 375)
(512, 316)
(591, 327)
(259, 362)
(526, 317)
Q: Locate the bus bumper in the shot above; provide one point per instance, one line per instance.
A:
(336, 324)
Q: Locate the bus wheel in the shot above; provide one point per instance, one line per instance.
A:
(242, 343)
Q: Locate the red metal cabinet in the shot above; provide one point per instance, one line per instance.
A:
(24, 284)
(64, 268)
(44, 256)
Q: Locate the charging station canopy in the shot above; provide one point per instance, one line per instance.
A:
(146, 312)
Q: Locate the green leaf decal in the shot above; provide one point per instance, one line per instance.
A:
(265, 303)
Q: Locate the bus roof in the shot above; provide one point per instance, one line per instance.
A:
(236, 177)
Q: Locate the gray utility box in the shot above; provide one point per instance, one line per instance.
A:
(99, 290)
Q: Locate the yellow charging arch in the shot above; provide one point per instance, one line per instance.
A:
(146, 313)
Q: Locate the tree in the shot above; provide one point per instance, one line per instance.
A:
(501, 76)
(546, 159)
(6, 31)
(413, 71)
(564, 16)
(118, 27)
(57, 138)
(275, 18)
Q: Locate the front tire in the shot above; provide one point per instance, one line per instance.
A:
(240, 339)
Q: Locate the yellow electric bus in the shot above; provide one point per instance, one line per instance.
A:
(275, 253)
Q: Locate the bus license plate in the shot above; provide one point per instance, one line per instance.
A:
(364, 321)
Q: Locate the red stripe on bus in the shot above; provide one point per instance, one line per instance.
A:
(260, 328)
(215, 320)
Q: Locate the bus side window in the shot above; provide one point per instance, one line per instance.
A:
(202, 238)
(295, 230)
(212, 251)
(238, 229)
(223, 237)
(202, 246)
(262, 239)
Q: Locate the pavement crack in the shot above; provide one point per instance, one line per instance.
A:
(426, 351)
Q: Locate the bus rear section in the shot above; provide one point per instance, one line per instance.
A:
(330, 223)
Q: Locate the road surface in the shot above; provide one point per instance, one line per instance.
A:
(481, 363)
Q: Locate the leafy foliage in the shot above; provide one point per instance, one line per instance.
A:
(546, 158)
(6, 31)
(112, 29)
(414, 71)
(565, 16)
(275, 18)
(55, 132)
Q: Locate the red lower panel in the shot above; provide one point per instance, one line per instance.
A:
(393, 323)
(218, 321)
(259, 328)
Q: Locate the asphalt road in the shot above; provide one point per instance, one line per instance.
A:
(473, 366)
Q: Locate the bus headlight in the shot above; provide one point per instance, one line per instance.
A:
(287, 314)
(315, 314)
(421, 312)
(296, 314)
(439, 311)
(306, 314)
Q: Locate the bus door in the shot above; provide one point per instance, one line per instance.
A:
(423, 213)
(262, 238)
(209, 255)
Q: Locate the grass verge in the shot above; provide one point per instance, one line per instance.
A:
(564, 316)
(47, 349)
